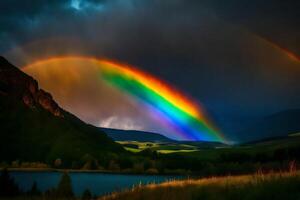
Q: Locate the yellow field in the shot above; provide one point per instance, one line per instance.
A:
(159, 147)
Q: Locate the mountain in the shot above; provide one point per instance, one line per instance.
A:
(133, 135)
(205, 144)
(33, 127)
(142, 136)
(278, 125)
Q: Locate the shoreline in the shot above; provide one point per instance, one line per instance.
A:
(10, 169)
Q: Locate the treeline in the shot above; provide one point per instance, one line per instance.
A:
(222, 162)
(235, 161)
(9, 188)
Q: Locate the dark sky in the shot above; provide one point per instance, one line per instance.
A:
(232, 56)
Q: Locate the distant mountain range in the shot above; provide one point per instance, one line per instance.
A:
(34, 128)
(278, 125)
(143, 136)
(133, 135)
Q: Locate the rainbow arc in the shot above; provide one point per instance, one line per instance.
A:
(174, 109)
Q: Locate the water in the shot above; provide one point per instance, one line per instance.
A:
(97, 183)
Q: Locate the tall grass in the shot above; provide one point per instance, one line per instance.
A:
(272, 186)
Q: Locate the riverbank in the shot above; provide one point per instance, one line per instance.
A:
(275, 186)
(55, 170)
(126, 172)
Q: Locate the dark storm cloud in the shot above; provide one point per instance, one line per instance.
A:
(277, 20)
(27, 8)
(152, 19)
(216, 51)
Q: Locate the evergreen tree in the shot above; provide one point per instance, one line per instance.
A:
(34, 191)
(87, 195)
(64, 188)
(8, 187)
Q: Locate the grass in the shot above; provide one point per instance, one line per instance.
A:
(275, 186)
(211, 154)
(160, 147)
(294, 134)
(166, 151)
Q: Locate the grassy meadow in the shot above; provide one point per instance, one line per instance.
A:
(275, 186)
(159, 147)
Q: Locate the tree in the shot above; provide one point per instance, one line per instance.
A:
(58, 162)
(113, 166)
(87, 195)
(8, 187)
(64, 188)
(34, 191)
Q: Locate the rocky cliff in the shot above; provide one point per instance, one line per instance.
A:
(33, 127)
(15, 83)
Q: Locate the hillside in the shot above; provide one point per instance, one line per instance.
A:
(34, 128)
(292, 140)
(280, 124)
(132, 135)
(137, 141)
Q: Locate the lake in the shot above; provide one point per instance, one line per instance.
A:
(97, 183)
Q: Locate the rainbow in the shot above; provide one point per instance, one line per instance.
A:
(186, 118)
(284, 50)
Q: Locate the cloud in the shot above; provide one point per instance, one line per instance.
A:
(212, 50)
(120, 123)
(83, 5)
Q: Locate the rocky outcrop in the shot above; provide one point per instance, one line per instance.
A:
(15, 83)
(46, 101)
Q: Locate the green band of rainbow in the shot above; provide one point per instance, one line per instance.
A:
(186, 119)
(187, 124)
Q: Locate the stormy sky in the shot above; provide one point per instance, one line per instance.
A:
(238, 58)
